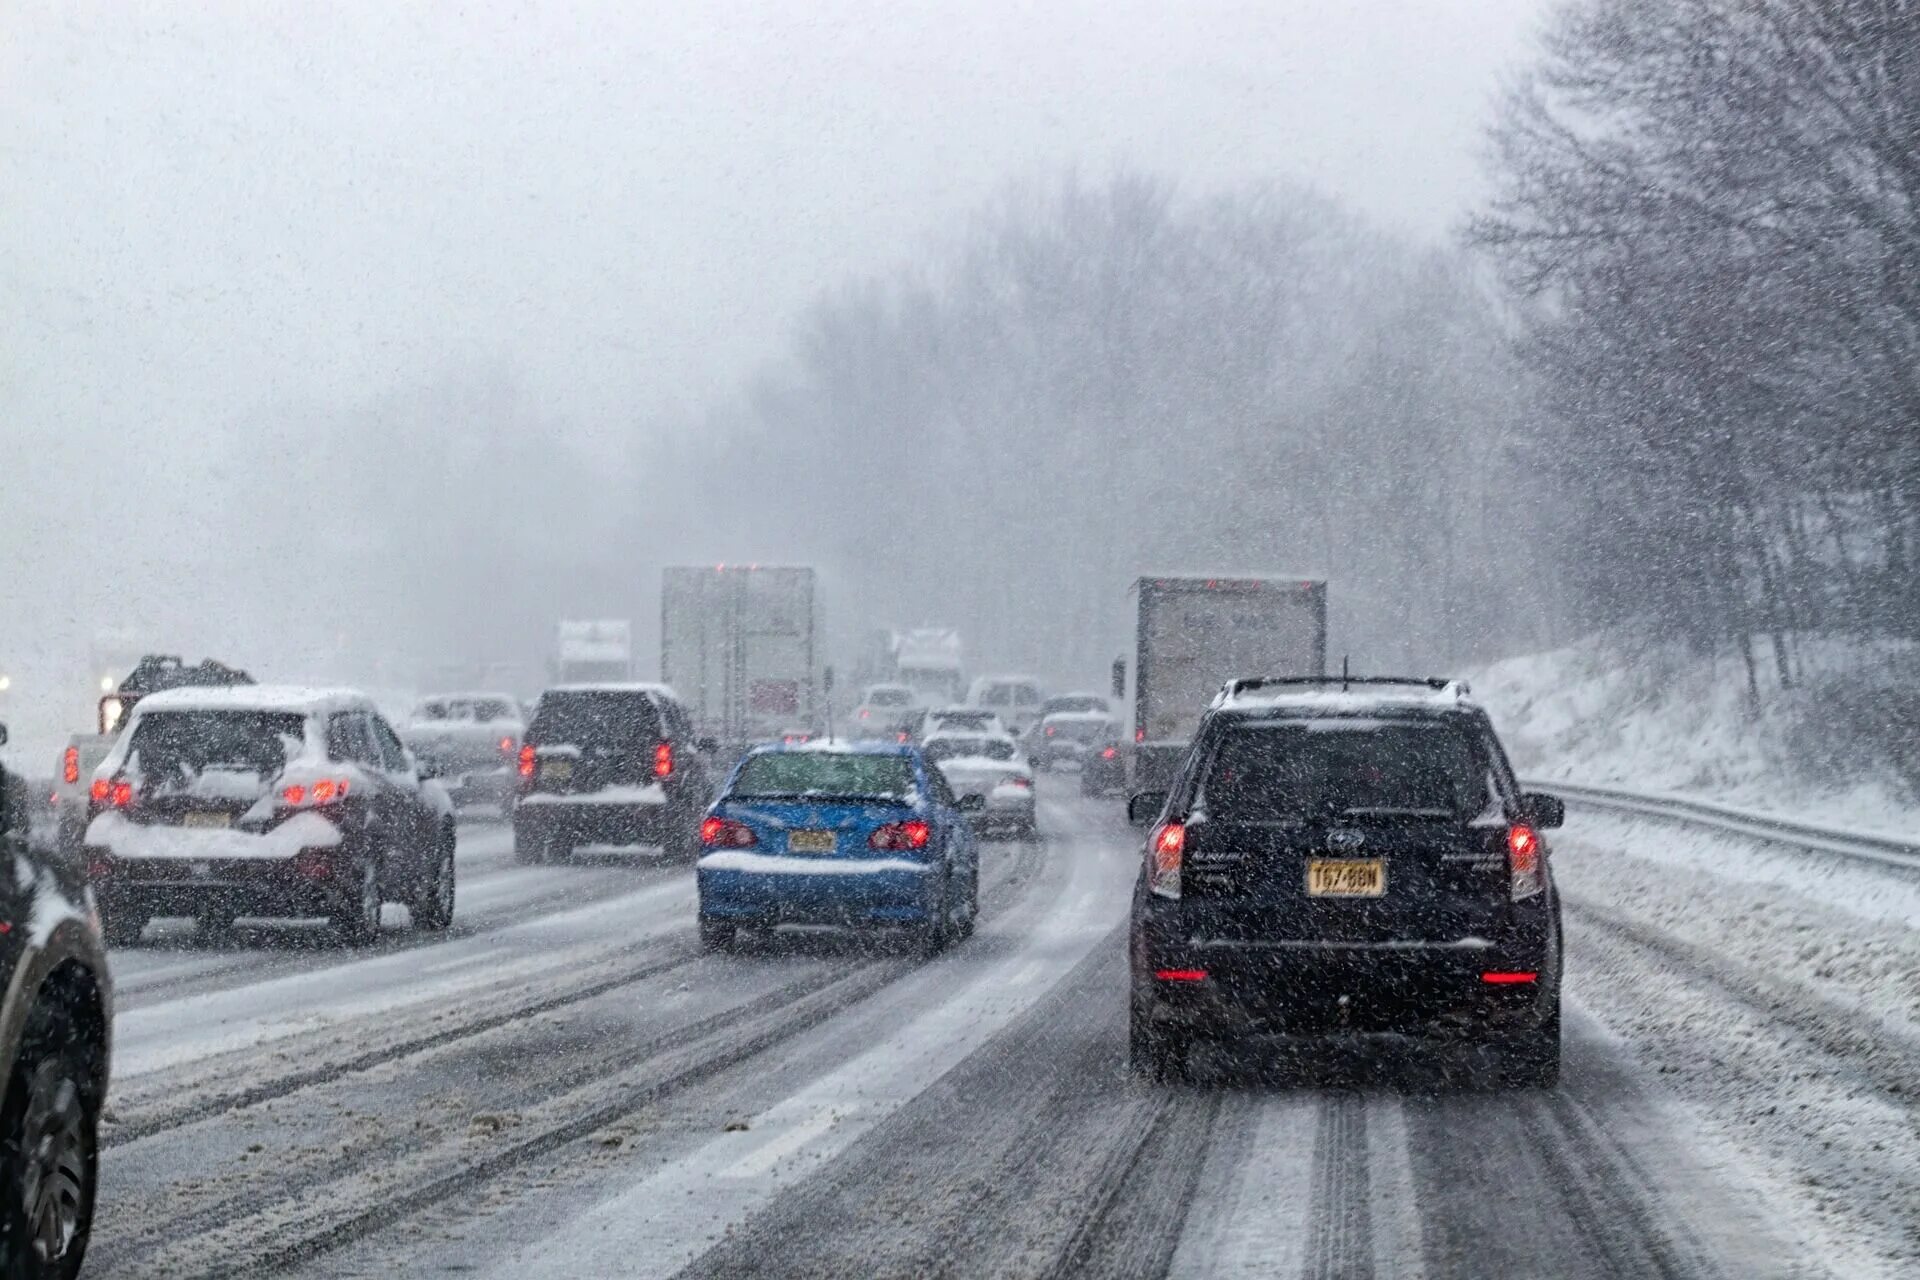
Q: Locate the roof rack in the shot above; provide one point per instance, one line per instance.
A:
(1250, 684)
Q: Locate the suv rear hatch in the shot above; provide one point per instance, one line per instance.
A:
(208, 767)
(1348, 830)
(586, 740)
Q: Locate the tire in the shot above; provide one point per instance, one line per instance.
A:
(964, 929)
(123, 925)
(933, 936)
(1155, 1054)
(1531, 1059)
(356, 919)
(717, 935)
(432, 905)
(49, 1157)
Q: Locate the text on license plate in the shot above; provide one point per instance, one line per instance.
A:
(1346, 878)
(205, 819)
(810, 842)
(556, 770)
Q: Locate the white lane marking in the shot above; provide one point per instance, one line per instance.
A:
(656, 1227)
(1395, 1214)
(1250, 1208)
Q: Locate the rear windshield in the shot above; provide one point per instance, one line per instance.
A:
(938, 749)
(1087, 703)
(1303, 770)
(594, 717)
(824, 774)
(194, 742)
(889, 697)
(966, 719)
(1079, 730)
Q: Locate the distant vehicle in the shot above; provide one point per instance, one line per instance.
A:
(1060, 702)
(1065, 737)
(737, 647)
(1190, 636)
(152, 673)
(266, 801)
(929, 721)
(609, 767)
(991, 766)
(1347, 859)
(471, 743)
(866, 837)
(1103, 769)
(1016, 698)
(592, 650)
(56, 1019)
(884, 711)
(929, 661)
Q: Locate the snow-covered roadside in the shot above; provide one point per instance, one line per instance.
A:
(1659, 719)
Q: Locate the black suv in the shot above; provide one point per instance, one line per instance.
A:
(1346, 857)
(612, 765)
(55, 1021)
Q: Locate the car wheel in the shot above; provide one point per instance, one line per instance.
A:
(51, 1158)
(1531, 1059)
(717, 935)
(122, 925)
(1158, 1054)
(432, 906)
(356, 920)
(937, 932)
(966, 926)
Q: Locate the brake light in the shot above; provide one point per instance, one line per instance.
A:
(1018, 780)
(1167, 851)
(1507, 979)
(903, 737)
(70, 765)
(324, 791)
(864, 713)
(506, 746)
(526, 760)
(663, 760)
(725, 833)
(1523, 860)
(98, 791)
(1181, 975)
(1140, 734)
(1110, 753)
(117, 794)
(901, 837)
(1049, 731)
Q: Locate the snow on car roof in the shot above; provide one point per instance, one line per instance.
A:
(1077, 716)
(255, 697)
(465, 695)
(968, 735)
(1336, 698)
(615, 686)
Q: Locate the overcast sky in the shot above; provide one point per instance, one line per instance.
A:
(207, 211)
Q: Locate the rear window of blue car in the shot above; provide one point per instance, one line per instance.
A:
(821, 774)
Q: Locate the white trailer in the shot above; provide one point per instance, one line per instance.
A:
(738, 646)
(593, 650)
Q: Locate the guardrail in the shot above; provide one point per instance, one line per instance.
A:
(1866, 846)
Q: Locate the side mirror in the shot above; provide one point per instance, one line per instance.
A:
(706, 746)
(1144, 806)
(971, 804)
(1543, 810)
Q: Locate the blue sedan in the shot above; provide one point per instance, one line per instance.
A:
(862, 834)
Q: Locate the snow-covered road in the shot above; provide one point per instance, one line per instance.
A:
(565, 1086)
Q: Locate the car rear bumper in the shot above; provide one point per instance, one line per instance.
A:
(311, 884)
(588, 823)
(768, 889)
(1439, 990)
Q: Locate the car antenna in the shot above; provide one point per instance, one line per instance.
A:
(1344, 676)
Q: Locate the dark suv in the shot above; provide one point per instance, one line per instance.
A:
(609, 765)
(55, 1028)
(1343, 858)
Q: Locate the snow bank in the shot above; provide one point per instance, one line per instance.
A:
(1658, 718)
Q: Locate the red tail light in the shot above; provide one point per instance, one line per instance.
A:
(1181, 975)
(99, 790)
(864, 713)
(1140, 735)
(901, 837)
(725, 833)
(1167, 852)
(506, 746)
(1110, 753)
(1523, 860)
(116, 794)
(526, 760)
(903, 737)
(1049, 731)
(1018, 780)
(325, 791)
(70, 765)
(1505, 979)
(663, 760)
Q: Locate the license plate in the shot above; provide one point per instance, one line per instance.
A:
(810, 842)
(1346, 878)
(556, 770)
(206, 820)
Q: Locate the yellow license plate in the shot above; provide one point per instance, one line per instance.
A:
(556, 770)
(206, 820)
(810, 842)
(1346, 878)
